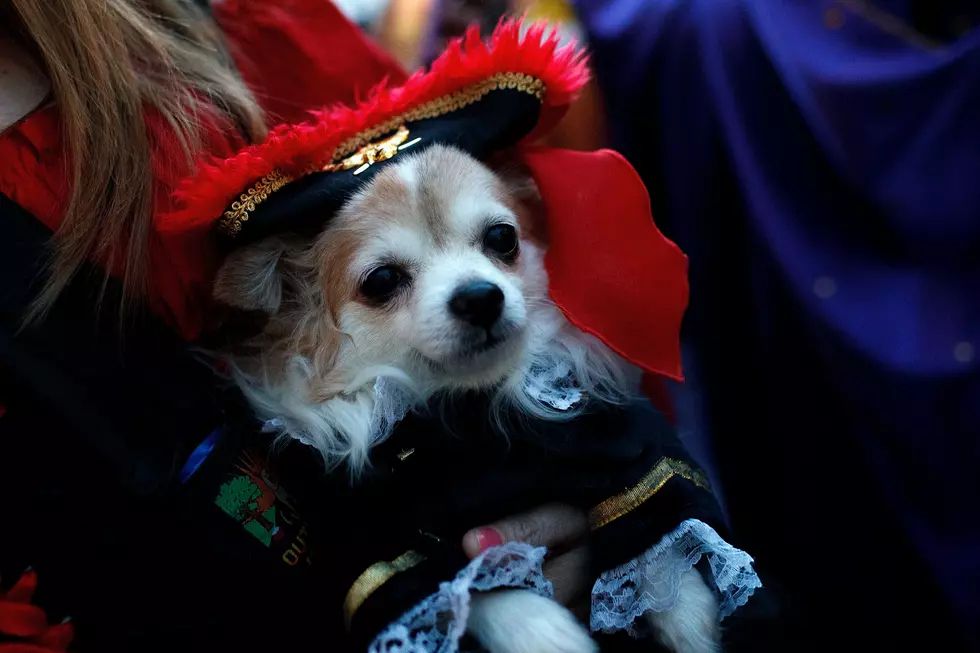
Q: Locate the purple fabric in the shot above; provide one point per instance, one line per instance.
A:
(432, 40)
(824, 177)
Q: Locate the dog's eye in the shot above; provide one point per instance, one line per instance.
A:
(383, 283)
(502, 239)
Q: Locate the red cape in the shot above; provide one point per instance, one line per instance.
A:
(611, 271)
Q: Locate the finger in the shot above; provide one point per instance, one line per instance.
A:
(569, 574)
(554, 526)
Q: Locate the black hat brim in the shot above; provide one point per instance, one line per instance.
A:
(497, 121)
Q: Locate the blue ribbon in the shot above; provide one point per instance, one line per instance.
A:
(197, 456)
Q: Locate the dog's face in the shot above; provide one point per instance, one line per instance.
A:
(425, 267)
(431, 270)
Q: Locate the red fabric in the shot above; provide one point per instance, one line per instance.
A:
(611, 271)
(297, 54)
(28, 623)
(298, 147)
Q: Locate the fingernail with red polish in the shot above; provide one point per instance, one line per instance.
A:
(489, 538)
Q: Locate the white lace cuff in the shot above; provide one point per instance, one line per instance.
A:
(652, 581)
(438, 622)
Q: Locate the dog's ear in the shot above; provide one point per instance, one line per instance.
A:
(523, 193)
(516, 176)
(251, 278)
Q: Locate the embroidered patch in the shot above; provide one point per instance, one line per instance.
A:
(254, 497)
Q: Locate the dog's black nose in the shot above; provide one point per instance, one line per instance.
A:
(480, 303)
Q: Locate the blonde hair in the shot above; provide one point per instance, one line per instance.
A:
(108, 62)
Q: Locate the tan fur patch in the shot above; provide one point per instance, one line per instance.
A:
(248, 278)
(333, 256)
(384, 202)
(435, 200)
(521, 196)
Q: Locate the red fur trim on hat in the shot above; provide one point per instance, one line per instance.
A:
(203, 198)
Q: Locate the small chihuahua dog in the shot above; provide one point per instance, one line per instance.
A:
(432, 275)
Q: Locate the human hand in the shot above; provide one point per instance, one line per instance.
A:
(564, 531)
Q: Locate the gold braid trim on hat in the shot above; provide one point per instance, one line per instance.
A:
(237, 214)
(446, 104)
(362, 149)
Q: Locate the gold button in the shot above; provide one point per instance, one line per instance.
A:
(833, 18)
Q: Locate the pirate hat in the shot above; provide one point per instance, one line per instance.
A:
(611, 271)
(479, 97)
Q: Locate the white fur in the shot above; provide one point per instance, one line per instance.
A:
(520, 621)
(415, 347)
(414, 343)
(691, 625)
(341, 428)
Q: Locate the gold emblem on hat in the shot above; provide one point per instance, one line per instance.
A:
(359, 149)
(373, 153)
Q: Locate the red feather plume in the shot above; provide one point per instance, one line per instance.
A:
(203, 198)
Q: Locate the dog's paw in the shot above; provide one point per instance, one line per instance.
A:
(519, 621)
(692, 625)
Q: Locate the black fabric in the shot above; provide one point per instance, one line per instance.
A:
(786, 458)
(79, 368)
(462, 474)
(496, 121)
(943, 20)
(100, 422)
(96, 428)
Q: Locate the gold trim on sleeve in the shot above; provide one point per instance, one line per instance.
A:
(374, 577)
(608, 511)
(666, 468)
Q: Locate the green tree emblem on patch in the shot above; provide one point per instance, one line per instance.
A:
(240, 498)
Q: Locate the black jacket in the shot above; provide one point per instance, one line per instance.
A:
(98, 425)
(149, 544)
